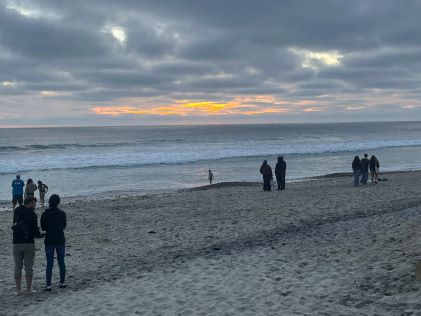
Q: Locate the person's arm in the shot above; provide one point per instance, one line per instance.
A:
(35, 226)
(15, 217)
(43, 223)
(46, 188)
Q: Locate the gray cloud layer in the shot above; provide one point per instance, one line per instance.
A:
(60, 58)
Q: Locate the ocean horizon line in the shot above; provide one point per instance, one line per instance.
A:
(206, 124)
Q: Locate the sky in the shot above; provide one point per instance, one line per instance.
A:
(138, 62)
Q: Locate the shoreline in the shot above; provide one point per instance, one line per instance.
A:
(123, 194)
(372, 233)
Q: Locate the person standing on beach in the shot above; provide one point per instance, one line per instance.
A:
(30, 189)
(42, 189)
(266, 171)
(356, 169)
(210, 176)
(374, 169)
(17, 191)
(364, 169)
(280, 170)
(25, 229)
(53, 222)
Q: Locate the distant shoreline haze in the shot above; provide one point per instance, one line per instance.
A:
(202, 124)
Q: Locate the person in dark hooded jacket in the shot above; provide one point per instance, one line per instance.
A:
(53, 222)
(25, 229)
(280, 170)
(266, 171)
(356, 170)
(374, 166)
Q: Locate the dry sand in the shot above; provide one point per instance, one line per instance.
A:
(321, 247)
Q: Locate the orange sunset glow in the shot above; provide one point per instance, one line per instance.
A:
(238, 106)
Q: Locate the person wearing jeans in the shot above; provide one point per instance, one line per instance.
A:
(364, 169)
(53, 222)
(49, 253)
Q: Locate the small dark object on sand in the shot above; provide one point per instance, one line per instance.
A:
(151, 232)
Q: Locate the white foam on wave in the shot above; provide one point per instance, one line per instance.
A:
(182, 154)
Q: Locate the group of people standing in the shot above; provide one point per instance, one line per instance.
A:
(18, 193)
(25, 230)
(280, 170)
(361, 168)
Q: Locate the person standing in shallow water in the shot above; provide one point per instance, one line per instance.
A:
(210, 176)
(280, 170)
(30, 189)
(356, 169)
(266, 171)
(42, 189)
(364, 169)
(53, 222)
(17, 191)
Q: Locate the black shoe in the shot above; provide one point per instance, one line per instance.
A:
(62, 285)
(48, 288)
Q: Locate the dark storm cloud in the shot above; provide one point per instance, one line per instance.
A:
(104, 51)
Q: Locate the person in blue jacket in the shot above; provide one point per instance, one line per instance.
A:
(17, 191)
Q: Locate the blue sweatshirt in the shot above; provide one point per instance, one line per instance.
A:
(17, 186)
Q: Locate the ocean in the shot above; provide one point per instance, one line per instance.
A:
(105, 161)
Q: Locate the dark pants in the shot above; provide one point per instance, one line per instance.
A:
(49, 253)
(364, 177)
(356, 174)
(281, 181)
(266, 183)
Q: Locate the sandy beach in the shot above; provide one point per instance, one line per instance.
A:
(320, 247)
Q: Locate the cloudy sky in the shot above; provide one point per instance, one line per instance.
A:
(134, 62)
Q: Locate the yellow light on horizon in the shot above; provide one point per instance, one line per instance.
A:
(250, 105)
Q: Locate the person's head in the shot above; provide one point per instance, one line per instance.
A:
(365, 155)
(54, 200)
(356, 157)
(29, 181)
(18, 176)
(30, 202)
(265, 162)
(39, 182)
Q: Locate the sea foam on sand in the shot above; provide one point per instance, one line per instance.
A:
(319, 248)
